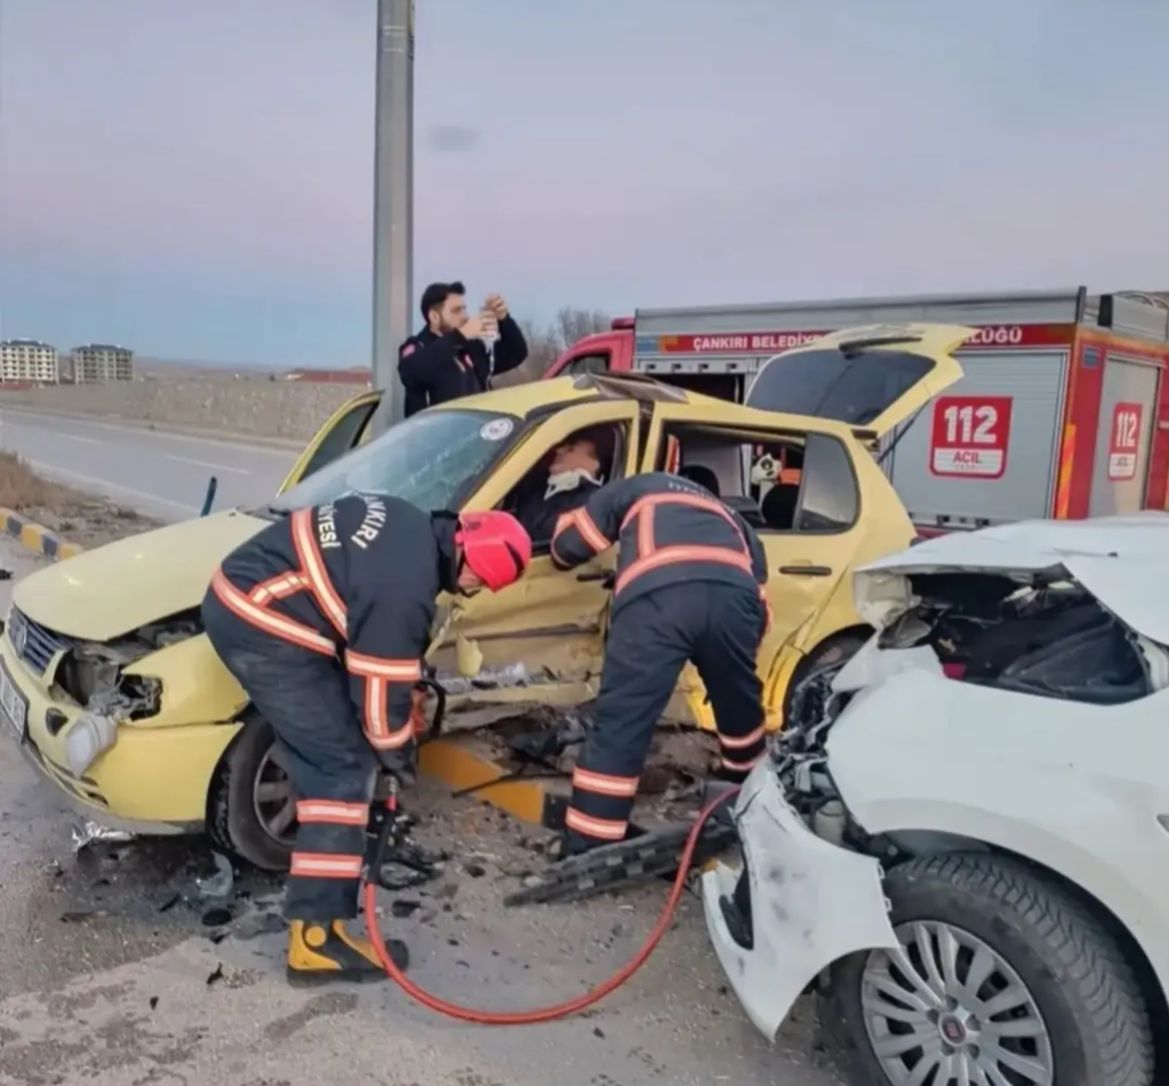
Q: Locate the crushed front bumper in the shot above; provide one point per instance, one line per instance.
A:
(153, 780)
(807, 903)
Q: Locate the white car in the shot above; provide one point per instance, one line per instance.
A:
(961, 839)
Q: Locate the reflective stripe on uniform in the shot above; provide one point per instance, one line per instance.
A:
(740, 742)
(325, 865)
(268, 621)
(333, 812)
(650, 558)
(646, 531)
(694, 501)
(313, 566)
(378, 731)
(740, 767)
(683, 553)
(604, 784)
(592, 535)
(382, 667)
(278, 588)
(607, 829)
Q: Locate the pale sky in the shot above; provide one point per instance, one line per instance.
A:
(194, 179)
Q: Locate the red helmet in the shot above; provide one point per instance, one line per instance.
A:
(496, 547)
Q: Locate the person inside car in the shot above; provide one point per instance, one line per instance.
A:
(575, 472)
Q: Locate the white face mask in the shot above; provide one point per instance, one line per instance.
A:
(568, 480)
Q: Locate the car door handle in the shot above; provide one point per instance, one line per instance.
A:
(807, 571)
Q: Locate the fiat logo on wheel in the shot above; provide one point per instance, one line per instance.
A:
(952, 1030)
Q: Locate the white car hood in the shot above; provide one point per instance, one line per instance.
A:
(1122, 561)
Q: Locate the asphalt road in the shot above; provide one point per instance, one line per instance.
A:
(116, 972)
(161, 474)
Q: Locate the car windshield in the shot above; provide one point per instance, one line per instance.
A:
(425, 460)
(831, 384)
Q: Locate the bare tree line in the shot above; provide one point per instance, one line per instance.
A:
(547, 342)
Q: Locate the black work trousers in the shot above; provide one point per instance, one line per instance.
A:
(715, 625)
(305, 697)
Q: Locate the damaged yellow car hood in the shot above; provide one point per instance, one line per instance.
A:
(110, 591)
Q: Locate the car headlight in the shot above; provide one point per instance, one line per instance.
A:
(91, 735)
(96, 682)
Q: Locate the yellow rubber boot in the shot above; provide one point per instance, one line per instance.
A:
(322, 952)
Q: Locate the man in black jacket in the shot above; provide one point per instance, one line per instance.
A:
(323, 619)
(690, 585)
(448, 358)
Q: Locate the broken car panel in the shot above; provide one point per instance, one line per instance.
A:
(1003, 711)
(166, 766)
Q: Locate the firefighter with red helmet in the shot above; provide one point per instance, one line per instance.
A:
(323, 618)
(689, 586)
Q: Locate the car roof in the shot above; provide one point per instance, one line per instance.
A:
(523, 399)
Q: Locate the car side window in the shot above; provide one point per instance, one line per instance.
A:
(587, 363)
(829, 500)
(341, 439)
(785, 483)
(537, 511)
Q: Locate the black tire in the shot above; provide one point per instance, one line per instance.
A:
(832, 652)
(1097, 1025)
(232, 819)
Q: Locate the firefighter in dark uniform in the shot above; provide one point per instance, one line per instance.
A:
(690, 586)
(448, 359)
(323, 618)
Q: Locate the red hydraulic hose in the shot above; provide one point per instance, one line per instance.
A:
(569, 1006)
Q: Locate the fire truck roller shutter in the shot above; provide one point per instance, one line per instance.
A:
(1035, 381)
(1121, 459)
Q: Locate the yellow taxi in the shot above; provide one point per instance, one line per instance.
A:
(113, 691)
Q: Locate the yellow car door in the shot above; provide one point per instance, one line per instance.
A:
(803, 567)
(836, 510)
(546, 630)
(344, 430)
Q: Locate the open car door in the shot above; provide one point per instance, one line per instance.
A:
(806, 558)
(344, 430)
(873, 378)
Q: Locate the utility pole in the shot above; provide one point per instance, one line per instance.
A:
(393, 202)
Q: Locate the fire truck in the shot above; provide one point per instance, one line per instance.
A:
(1062, 410)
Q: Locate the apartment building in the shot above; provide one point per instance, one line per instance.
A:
(97, 362)
(26, 360)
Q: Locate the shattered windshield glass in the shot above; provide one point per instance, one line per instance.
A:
(425, 460)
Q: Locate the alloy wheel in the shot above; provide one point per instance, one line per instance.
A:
(947, 1009)
(273, 798)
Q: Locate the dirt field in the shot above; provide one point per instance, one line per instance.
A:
(77, 517)
(251, 405)
(246, 403)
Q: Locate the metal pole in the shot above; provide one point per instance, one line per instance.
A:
(393, 202)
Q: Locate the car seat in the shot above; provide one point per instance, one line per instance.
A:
(701, 474)
(779, 507)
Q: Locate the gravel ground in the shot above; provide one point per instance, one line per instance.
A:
(123, 975)
(75, 516)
